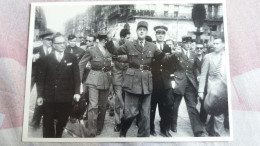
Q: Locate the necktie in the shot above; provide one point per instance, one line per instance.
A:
(187, 54)
(141, 44)
(161, 47)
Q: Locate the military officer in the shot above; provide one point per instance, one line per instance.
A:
(98, 83)
(162, 89)
(187, 86)
(73, 48)
(137, 82)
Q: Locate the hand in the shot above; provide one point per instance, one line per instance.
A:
(39, 101)
(198, 78)
(111, 34)
(35, 57)
(201, 94)
(76, 97)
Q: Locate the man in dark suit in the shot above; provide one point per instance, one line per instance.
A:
(137, 82)
(38, 53)
(59, 85)
(198, 61)
(162, 89)
(187, 86)
(73, 48)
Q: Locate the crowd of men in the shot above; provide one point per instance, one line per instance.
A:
(141, 75)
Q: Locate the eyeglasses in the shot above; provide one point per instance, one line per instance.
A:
(160, 32)
(88, 41)
(60, 43)
(199, 48)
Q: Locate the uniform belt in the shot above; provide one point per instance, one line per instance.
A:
(104, 69)
(141, 67)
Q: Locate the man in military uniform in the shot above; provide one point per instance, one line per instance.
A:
(59, 84)
(162, 89)
(187, 86)
(137, 82)
(98, 83)
(73, 48)
(118, 72)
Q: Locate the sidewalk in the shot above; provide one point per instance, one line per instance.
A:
(183, 128)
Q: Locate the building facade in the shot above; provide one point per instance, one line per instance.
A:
(177, 17)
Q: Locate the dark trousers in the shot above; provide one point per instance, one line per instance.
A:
(190, 97)
(203, 113)
(38, 110)
(55, 111)
(37, 115)
(137, 105)
(165, 100)
(156, 95)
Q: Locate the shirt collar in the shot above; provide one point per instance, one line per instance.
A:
(59, 53)
(139, 41)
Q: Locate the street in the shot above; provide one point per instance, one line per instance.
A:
(75, 130)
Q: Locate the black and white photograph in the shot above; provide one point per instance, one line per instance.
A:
(128, 71)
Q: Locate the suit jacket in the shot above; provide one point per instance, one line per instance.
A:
(58, 81)
(186, 70)
(210, 72)
(96, 78)
(161, 72)
(137, 81)
(77, 51)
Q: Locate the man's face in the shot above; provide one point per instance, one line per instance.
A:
(127, 37)
(160, 35)
(59, 44)
(199, 49)
(141, 32)
(170, 44)
(90, 41)
(47, 41)
(218, 45)
(187, 45)
(72, 42)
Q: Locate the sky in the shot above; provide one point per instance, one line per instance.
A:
(57, 16)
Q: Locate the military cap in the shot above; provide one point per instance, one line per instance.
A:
(101, 36)
(160, 28)
(186, 39)
(142, 24)
(46, 34)
(71, 37)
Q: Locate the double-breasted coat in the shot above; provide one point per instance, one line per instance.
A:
(58, 81)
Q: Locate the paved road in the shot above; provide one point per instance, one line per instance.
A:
(184, 128)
